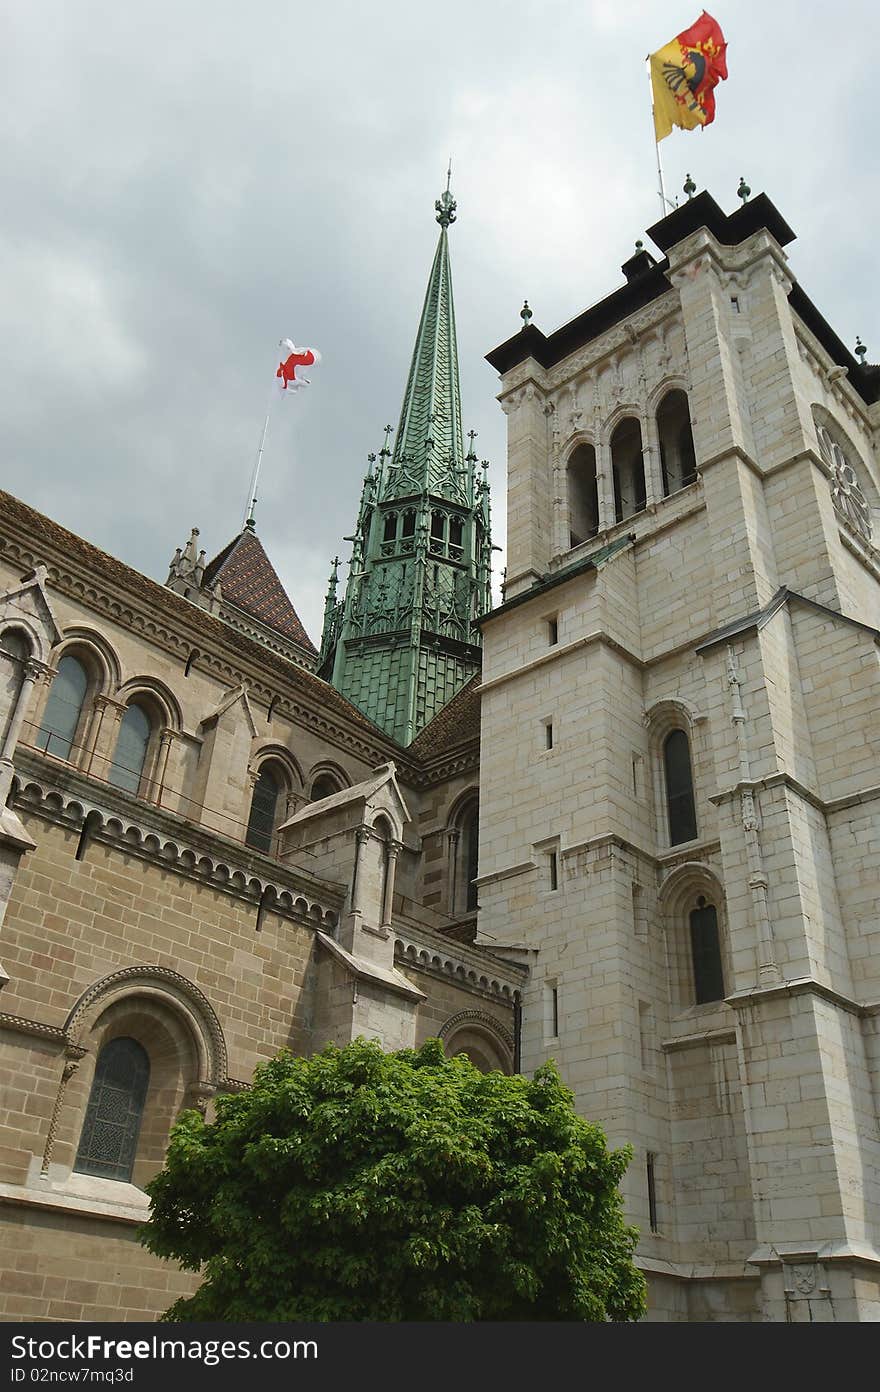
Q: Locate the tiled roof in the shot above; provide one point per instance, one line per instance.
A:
(248, 580)
(456, 724)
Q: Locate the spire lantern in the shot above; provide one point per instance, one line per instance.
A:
(446, 205)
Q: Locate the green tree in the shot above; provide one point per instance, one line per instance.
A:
(360, 1185)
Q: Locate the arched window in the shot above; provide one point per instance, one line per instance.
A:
(679, 788)
(61, 717)
(706, 953)
(463, 832)
(17, 649)
(324, 786)
(628, 468)
(583, 495)
(389, 532)
(109, 1138)
(264, 805)
(677, 459)
(409, 523)
(130, 754)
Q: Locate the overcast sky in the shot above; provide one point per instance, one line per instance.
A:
(184, 184)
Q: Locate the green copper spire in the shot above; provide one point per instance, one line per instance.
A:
(429, 438)
(401, 642)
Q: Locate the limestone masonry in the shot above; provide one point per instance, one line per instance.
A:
(628, 819)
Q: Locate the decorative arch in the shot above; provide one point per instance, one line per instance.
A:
(479, 1035)
(172, 990)
(98, 649)
(153, 691)
(268, 750)
(681, 894)
(674, 381)
(671, 713)
(331, 773)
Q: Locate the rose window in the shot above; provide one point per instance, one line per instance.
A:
(848, 496)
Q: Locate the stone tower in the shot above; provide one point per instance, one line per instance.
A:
(679, 785)
(401, 644)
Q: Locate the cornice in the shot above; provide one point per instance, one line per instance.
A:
(476, 970)
(153, 834)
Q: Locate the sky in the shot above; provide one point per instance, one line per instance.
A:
(184, 185)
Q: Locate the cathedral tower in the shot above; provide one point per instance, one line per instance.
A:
(401, 643)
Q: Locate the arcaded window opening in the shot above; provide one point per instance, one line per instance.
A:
(583, 495)
(678, 461)
(628, 469)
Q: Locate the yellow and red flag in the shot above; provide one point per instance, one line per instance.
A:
(684, 74)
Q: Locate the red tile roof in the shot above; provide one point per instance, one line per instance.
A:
(248, 580)
(454, 725)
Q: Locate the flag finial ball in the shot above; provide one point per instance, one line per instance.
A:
(525, 314)
(861, 351)
(690, 187)
(743, 191)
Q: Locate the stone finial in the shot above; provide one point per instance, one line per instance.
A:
(860, 351)
(525, 314)
(188, 564)
(690, 187)
(743, 190)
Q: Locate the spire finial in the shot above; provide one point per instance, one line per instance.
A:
(525, 314)
(743, 191)
(860, 351)
(690, 187)
(446, 204)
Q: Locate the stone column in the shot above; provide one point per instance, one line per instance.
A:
(393, 850)
(605, 484)
(452, 836)
(651, 462)
(101, 740)
(33, 671)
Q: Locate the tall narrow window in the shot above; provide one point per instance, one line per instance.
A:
(628, 468)
(113, 1117)
(652, 1191)
(389, 531)
(261, 822)
(63, 709)
(583, 495)
(130, 754)
(679, 788)
(706, 953)
(553, 869)
(677, 459)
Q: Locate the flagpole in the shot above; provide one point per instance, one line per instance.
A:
(252, 491)
(660, 185)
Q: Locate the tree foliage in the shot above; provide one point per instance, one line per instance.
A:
(360, 1185)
